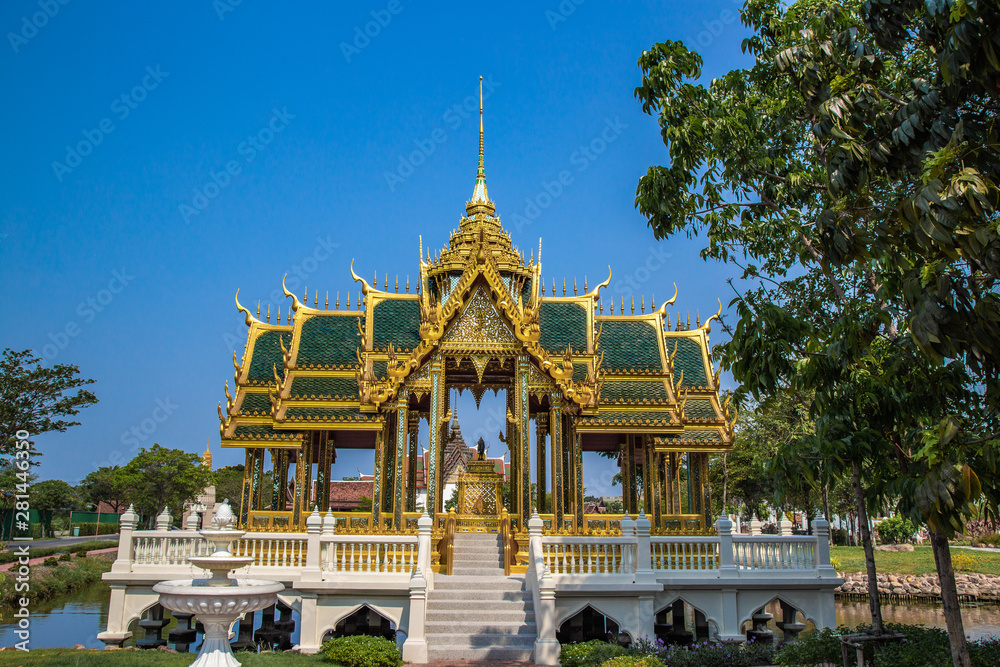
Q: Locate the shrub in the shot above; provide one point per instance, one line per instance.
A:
(50, 562)
(65, 557)
(987, 540)
(963, 562)
(94, 528)
(587, 654)
(896, 530)
(836, 565)
(838, 537)
(633, 661)
(362, 651)
(812, 649)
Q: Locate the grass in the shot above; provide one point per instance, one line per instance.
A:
(10, 556)
(98, 658)
(919, 561)
(48, 582)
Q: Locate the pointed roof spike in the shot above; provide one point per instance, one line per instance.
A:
(375, 282)
(585, 288)
(668, 321)
(479, 192)
(600, 301)
(336, 304)
(623, 305)
(305, 296)
(697, 318)
(643, 304)
(564, 287)
(279, 315)
(689, 320)
(385, 284)
(316, 299)
(532, 256)
(328, 299)
(258, 309)
(612, 306)
(289, 316)
(553, 287)
(574, 286)
(268, 313)
(407, 284)
(348, 301)
(397, 283)
(652, 303)
(633, 305)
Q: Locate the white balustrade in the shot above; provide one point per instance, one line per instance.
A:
(167, 547)
(684, 553)
(774, 552)
(589, 555)
(390, 554)
(273, 549)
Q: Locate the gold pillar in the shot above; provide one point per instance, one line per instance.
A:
(648, 473)
(411, 476)
(323, 463)
(435, 444)
(541, 430)
(399, 455)
(247, 485)
(558, 482)
(300, 494)
(379, 483)
(577, 478)
(626, 466)
(657, 489)
(277, 485)
(523, 441)
(256, 478)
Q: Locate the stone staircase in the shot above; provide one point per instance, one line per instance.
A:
(477, 613)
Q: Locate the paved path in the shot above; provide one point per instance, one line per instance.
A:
(36, 561)
(994, 550)
(60, 542)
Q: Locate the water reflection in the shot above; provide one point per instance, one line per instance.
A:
(980, 621)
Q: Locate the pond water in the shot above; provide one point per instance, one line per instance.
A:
(78, 617)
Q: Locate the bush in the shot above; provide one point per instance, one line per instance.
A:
(94, 528)
(362, 651)
(50, 562)
(987, 540)
(65, 557)
(812, 648)
(633, 661)
(896, 530)
(838, 537)
(587, 654)
(963, 562)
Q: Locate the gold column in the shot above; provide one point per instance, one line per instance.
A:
(657, 490)
(558, 482)
(627, 469)
(256, 479)
(247, 485)
(523, 441)
(577, 478)
(541, 430)
(648, 473)
(300, 495)
(379, 483)
(435, 444)
(323, 470)
(399, 452)
(411, 476)
(706, 490)
(277, 488)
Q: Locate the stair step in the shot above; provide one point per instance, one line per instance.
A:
(475, 628)
(480, 639)
(461, 582)
(507, 653)
(467, 615)
(475, 571)
(445, 603)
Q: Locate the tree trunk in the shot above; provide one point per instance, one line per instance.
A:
(949, 599)
(874, 603)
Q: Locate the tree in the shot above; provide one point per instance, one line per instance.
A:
(850, 173)
(36, 400)
(50, 496)
(105, 485)
(159, 477)
(228, 482)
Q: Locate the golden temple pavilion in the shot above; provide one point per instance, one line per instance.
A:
(373, 374)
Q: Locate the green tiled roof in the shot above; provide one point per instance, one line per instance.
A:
(562, 325)
(338, 414)
(378, 368)
(627, 418)
(325, 387)
(579, 371)
(699, 408)
(396, 321)
(689, 360)
(702, 437)
(258, 403)
(630, 345)
(261, 432)
(633, 391)
(328, 339)
(267, 355)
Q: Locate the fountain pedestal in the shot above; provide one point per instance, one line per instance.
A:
(218, 601)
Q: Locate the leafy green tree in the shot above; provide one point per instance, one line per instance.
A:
(159, 477)
(851, 173)
(228, 482)
(49, 497)
(38, 399)
(105, 485)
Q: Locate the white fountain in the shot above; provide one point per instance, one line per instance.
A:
(218, 601)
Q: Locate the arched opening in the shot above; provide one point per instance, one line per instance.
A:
(589, 624)
(681, 623)
(364, 621)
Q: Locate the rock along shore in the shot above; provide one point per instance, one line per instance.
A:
(971, 587)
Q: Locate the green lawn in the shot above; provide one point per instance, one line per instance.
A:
(97, 658)
(918, 561)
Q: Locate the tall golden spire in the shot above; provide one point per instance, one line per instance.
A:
(206, 458)
(480, 197)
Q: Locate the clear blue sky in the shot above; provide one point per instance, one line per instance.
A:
(117, 115)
